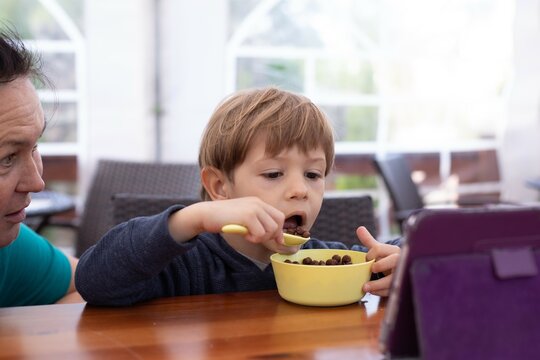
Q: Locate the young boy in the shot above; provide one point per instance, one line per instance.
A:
(264, 157)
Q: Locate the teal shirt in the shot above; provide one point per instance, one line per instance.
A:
(32, 271)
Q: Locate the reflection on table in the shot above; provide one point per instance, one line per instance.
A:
(45, 204)
(233, 326)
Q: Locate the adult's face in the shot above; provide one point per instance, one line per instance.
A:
(21, 125)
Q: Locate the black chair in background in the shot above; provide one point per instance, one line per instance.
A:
(126, 206)
(404, 193)
(340, 216)
(338, 220)
(113, 176)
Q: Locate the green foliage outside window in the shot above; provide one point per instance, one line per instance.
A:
(33, 21)
(354, 123)
(351, 182)
(345, 76)
(361, 123)
(256, 72)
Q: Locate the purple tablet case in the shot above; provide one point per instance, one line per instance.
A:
(467, 286)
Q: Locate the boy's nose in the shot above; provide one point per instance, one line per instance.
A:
(298, 189)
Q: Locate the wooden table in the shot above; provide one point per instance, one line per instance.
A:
(255, 325)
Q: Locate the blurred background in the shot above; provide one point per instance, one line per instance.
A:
(452, 84)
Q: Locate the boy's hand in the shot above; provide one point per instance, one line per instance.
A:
(262, 220)
(386, 258)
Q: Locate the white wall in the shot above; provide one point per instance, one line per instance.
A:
(120, 62)
(194, 35)
(119, 83)
(520, 153)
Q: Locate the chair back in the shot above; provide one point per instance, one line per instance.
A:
(112, 177)
(340, 216)
(396, 176)
(337, 221)
(127, 206)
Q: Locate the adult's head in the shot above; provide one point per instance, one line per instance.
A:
(287, 120)
(21, 124)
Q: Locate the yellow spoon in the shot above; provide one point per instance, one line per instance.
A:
(290, 239)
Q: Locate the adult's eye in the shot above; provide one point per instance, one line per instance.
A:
(7, 161)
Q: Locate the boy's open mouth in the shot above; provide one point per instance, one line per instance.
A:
(293, 225)
(292, 222)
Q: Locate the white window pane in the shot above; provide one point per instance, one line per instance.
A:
(316, 24)
(61, 122)
(337, 76)
(353, 123)
(442, 85)
(445, 79)
(443, 124)
(60, 70)
(256, 72)
(31, 20)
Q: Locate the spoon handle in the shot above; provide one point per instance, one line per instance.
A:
(290, 240)
(234, 229)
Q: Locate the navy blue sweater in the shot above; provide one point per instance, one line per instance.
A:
(138, 260)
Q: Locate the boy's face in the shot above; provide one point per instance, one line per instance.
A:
(293, 182)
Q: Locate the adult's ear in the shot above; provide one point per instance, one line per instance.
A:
(215, 183)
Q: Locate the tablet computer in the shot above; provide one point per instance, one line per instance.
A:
(466, 283)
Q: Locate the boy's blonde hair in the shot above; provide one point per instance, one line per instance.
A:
(288, 119)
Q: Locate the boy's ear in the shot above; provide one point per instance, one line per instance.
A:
(215, 183)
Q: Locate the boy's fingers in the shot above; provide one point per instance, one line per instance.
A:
(365, 237)
(380, 287)
(368, 241)
(385, 264)
(383, 251)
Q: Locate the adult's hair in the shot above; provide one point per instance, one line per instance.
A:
(287, 120)
(16, 60)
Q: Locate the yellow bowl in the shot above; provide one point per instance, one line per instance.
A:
(321, 285)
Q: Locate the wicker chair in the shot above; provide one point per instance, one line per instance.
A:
(338, 220)
(126, 206)
(340, 216)
(114, 177)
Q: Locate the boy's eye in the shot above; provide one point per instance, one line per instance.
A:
(273, 174)
(313, 175)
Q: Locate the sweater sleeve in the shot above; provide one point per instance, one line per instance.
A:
(123, 268)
